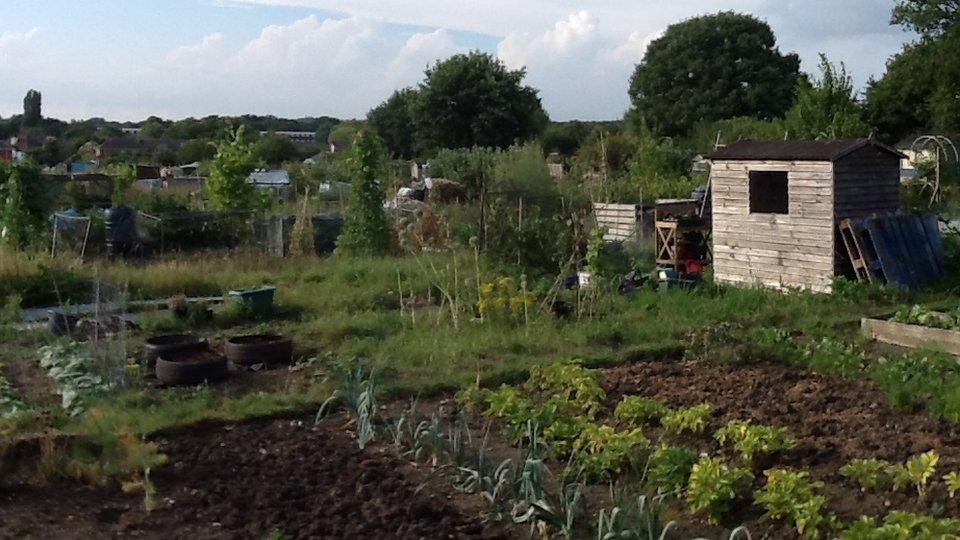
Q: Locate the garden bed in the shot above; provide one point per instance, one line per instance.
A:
(832, 420)
(249, 481)
(913, 336)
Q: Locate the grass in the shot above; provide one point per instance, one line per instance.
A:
(395, 313)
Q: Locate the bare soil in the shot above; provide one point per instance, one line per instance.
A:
(248, 481)
(833, 421)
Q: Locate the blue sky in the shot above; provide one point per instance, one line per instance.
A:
(128, 59)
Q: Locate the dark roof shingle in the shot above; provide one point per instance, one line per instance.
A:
(829, 150)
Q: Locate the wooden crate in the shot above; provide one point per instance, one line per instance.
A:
(912, 335)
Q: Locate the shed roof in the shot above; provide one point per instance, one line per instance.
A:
(829, 150)
(269, 178)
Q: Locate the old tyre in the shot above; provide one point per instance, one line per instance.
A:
(157, 345)
(259, 349)
(191, 367)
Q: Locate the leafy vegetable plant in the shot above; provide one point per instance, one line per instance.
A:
(919, 469)
(603, 451)
(693, 419)
(71, 368)
(869, 474)
(670, 467)
(953, 483)
(750, 440)
(639, 410)
(790, 495)
(714, 487)
(10, 402)
(904, 525)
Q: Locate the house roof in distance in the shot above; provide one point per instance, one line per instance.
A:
(269, 178)
(827, 150)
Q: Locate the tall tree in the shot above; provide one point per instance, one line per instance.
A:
(394, 123)
(827, 108)
(474, 100)
(927, 17)
(32, 113)
(227, 186)
(366, 230)
(275, 149)
(710, 68)
(921, 88)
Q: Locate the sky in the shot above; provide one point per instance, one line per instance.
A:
(129, 59)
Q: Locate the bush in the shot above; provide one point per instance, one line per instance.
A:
(471, 167)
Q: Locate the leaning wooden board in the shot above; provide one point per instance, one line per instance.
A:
(912, 335)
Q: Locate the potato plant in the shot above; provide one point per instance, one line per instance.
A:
(952, 480)
(688, 419)
(714, 487)
(869, 474)
(919, 469)
(669, 468)
(875, 474)
(750, 440)
(789, 495)
(639, 410)
(603, 451)
(561, 398)
(899, 525)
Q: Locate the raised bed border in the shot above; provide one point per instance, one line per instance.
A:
(913, 336)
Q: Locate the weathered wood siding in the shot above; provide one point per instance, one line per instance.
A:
(867, 182)
(783, 251)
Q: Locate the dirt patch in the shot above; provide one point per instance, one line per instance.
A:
(833, 421)
(249, 480)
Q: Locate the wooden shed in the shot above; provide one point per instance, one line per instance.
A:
(777, 205)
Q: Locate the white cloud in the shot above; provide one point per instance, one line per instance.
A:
(581, 73)
(204, 54)
(15, 47)
(579, 54)
(418, 53)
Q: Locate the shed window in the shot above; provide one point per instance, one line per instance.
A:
(769, 193)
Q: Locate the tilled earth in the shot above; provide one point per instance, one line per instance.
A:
(249, 481)
(833, 421)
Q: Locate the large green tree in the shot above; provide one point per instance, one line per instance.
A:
(32, 112)
(275, 149)
(474, 100)
(709, 68)
(394, 123)
(227, 186)
(827, 108)
(927, 17)
(920, 90)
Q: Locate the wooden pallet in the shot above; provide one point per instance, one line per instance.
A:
(903, 249)
(861, 251)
